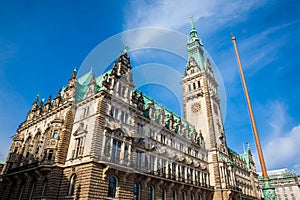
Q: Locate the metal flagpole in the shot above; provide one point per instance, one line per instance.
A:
(268, 190)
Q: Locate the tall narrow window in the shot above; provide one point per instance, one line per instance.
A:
(196, 153)
(192, 197)
(174, 195)
(183, 196)
(183, 173)
(112, 110)
(86, 112)
(136, 191)
(178, 173)
(44, 187)
(55, 133)
(116, 150)
(112, 187)
(119, 89)
(50, 154)
(140, 128)
(123, 91)
(192, 176)
(126, 153)
(72, 185)
(199, 84)
(190, 87)
(122, 116)
(174, 166)
(138, 160)
(126, 118)
(150, 193)
(188, 175)
(151, 164)
(164, 167)
(163, 194)
(32, 188)
(194, 86)
(78, 147)
(116, 113)
(189, 151)
(21, 191)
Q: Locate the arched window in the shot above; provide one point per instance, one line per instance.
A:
(112, 187)
(174, 195)
(27, 147)
(72, 185)
(21, 190)
(192, 197)
(183, 196)
(44, 187)
(33, 183)
(150, 193)
(163, 194)
(137, 190)
(37, 143)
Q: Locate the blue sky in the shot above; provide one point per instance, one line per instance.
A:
(41, 43)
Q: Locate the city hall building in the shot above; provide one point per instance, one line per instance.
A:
(101, 138)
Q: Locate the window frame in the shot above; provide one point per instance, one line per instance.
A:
(72, 185)
(112, 187)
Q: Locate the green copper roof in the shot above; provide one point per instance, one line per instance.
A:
(82, 86)
(244, 157)
(168, 113)
(2, 162)
(193, 33)
(83, 83)
(195, 47)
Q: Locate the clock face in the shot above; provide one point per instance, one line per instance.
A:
(196, 107)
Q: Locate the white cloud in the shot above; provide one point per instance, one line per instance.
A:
(284, 151)
(175, 14)
(281, 148)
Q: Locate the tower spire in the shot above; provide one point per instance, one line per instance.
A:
(193, 32)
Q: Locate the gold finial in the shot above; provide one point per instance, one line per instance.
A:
(232, 37)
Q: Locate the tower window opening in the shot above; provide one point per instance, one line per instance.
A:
(55, 134)
(194, 86)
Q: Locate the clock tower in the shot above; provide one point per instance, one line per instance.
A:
(201, 104)
(201, 100)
